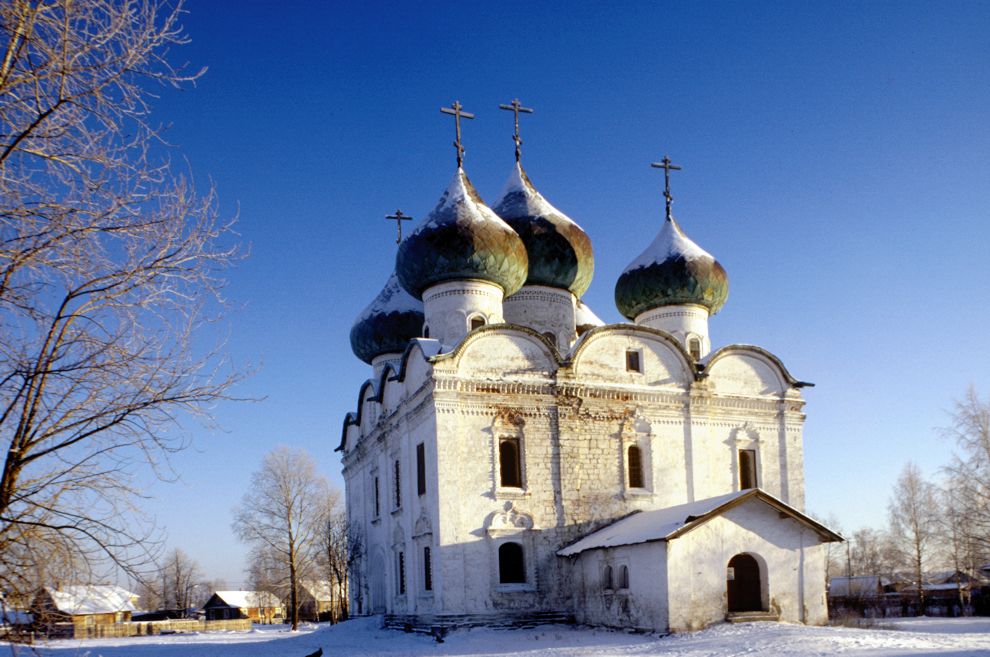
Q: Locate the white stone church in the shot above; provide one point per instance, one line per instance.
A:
(514, 459)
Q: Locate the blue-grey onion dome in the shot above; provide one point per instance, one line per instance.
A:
(559, 250)
(388, 323)
(462, 239)
(673, 270)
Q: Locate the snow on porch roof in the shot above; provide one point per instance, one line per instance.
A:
(671, 522)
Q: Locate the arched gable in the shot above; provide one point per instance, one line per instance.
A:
(749, 370)
(602, 353)
(504, 350)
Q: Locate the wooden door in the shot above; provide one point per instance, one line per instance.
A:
(743, 582)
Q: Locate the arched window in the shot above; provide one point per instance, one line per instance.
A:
(634, 457)
(426, 330)
(477, 322)
(511, 567)
(509, 462)
(400, 572)
(427, 570)
(607, 578)
(623, 577)
(551, 337)
(694, 348)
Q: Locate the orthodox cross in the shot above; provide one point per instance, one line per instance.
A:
(515, 107)
(455, 109)
(667, 167)
(398, 218)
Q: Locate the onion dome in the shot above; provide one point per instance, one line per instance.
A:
(672, 271)
(388, 323)
(461, 239)
(559, 251)
(585, 319)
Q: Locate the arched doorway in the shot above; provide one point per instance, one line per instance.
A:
(743, 583)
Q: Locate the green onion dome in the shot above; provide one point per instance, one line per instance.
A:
(559, 251)
(672, 271)
(388, 324)
(461, 239)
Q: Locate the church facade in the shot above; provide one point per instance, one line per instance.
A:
(513, 458)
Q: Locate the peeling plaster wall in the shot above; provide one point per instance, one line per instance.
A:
(642, 606)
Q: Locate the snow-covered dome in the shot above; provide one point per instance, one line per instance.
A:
(559, 251)
(461, 239)
(388, 324)
(672, 270)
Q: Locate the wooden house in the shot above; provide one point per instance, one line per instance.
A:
(318, 601)
(258, 606)
(86, 607)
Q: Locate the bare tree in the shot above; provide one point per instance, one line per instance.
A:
(181, 576)
(109, 265)
(281, 517)
(969, 470)
(873, 553)
(333, 549)
(913, 523)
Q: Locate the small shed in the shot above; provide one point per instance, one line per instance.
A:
(315, 599)
(85, 606)
(258, 606)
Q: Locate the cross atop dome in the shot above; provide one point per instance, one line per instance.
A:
(456, 109)
(515, 107)
(667, 167)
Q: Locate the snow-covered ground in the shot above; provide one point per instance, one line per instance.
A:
(958, 637)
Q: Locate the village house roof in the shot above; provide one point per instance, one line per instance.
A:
(669, 523)
(83, 600)
(245, 599)
(321, 590)
(858, 585)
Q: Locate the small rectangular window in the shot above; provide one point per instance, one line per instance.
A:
(632, 361)
(747, 469)
(398, 485)
(421, 469)
(427, 570)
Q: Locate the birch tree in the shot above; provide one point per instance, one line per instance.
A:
(281, 517)
(969, 470)
(110, 265)
(913, 523)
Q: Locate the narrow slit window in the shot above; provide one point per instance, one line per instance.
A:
(633, 363)
(400, 572)
(635, 457)
(426, 331)
(511, 567)
(477, 322)
(747, 469)
(607, 578)
(398, 485)
(378, 499)
(694, 348)
(509, 463)
(623, 577)
(421, 469)
(427, 570)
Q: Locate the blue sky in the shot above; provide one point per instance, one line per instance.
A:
(835, 162)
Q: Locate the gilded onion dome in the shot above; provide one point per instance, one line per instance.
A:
(673, 270)
(388, 323)
(461, 239)
(559, 250)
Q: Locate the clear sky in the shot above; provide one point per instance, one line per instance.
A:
(835, 162)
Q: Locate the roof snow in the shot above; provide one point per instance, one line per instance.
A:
(460, 192)
(392, 299)
(671, 522)
(519, 184)
(79, 600)
(585, 316)
(248, 599)
(671, 242)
